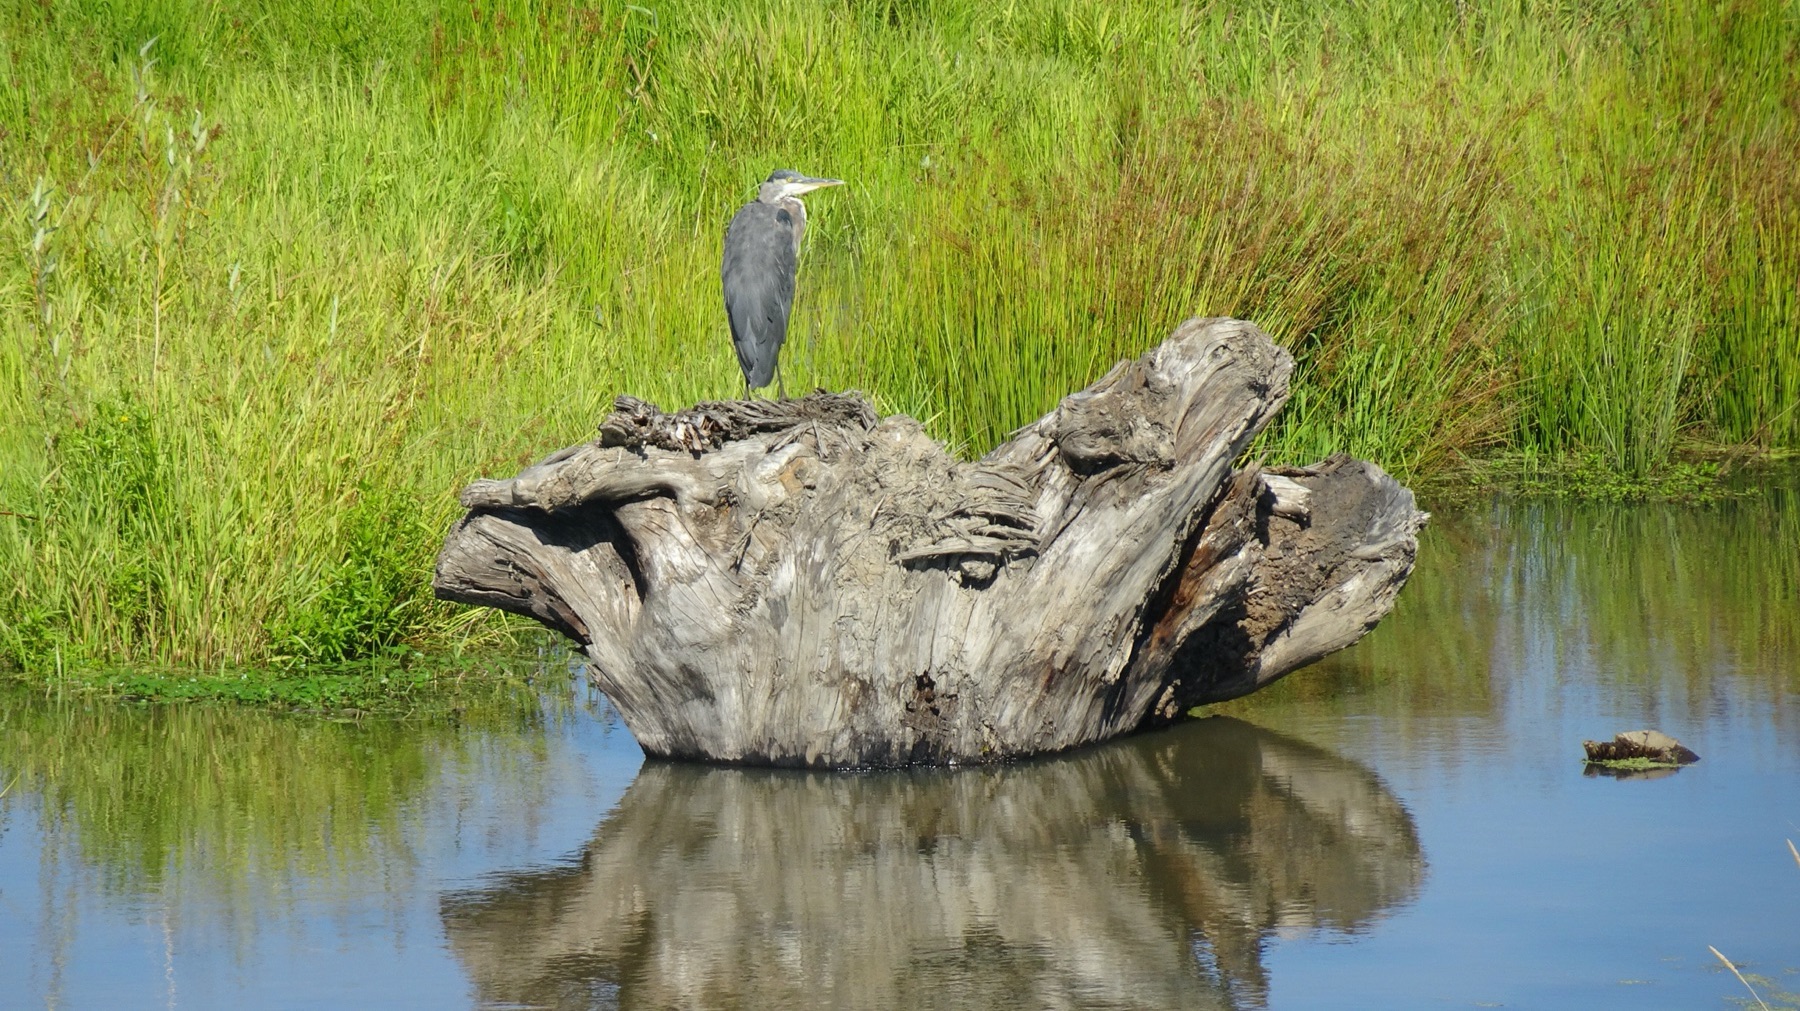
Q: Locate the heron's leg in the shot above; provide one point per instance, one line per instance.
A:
(780, 390)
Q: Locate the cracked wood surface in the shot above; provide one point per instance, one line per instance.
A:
(802, 583)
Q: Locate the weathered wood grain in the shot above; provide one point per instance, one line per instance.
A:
(801, 583)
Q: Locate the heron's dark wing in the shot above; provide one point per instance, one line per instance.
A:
(758, 278)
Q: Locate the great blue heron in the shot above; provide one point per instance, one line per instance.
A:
(762, 250)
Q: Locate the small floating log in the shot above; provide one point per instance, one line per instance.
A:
(1651, 747)
(803, 583)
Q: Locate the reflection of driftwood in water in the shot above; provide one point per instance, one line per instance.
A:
(800, 583)
(1148, 873)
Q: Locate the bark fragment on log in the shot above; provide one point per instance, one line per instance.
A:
(801, 583)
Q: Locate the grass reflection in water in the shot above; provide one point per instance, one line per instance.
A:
(1669, 602)
(230, 807)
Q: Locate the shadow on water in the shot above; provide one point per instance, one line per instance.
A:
(1146, 873)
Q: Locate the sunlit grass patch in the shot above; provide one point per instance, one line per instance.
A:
(280, 284)
(397, 683)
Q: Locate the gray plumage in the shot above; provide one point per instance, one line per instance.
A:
(762, 253)
(758, 276)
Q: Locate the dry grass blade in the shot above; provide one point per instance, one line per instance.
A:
(1739, 975)
(1795, 852)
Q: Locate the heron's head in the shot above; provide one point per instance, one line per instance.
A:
(788, 183)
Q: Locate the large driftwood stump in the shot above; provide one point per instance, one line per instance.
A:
(801, 583)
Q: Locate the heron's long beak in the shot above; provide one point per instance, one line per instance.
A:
(806, 184)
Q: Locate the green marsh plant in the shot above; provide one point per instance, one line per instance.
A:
(404, 249)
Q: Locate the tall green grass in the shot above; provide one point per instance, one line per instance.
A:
(278, 277)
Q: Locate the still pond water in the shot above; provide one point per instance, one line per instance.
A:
(1405, 825)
